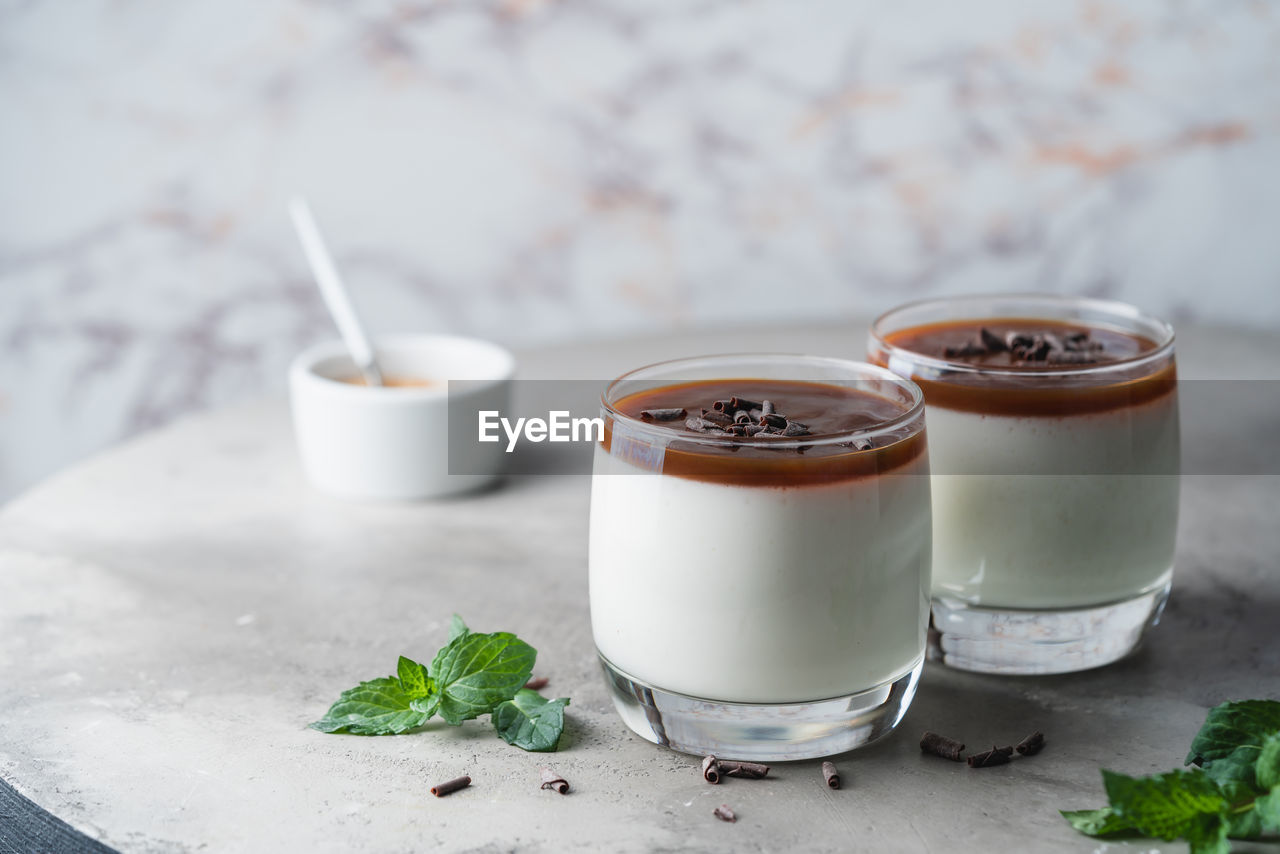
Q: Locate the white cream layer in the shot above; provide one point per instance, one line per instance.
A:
(755, 593)
(1040, 540)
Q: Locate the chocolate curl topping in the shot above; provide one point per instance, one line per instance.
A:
(738, 417)
(994, 756)
(702, 425)
(746, 770)
(993, 342)
(968, 348)
(537, 683)
(450, 786)
(723, 813)
(710, 769)
(1075, 348)
(552, 780)
(1031, 745)
(940, 745)
(831, 775)
(662, 414)
(716, 417)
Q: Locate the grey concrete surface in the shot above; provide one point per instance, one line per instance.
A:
(175, 611)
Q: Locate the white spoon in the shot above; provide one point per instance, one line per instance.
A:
(334, 292)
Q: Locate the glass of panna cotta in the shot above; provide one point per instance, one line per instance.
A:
(1053, 431)
(759, 554)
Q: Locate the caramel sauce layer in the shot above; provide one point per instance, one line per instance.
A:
(827, 410)
(1022, 388)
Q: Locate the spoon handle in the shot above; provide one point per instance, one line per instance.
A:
(334, 293)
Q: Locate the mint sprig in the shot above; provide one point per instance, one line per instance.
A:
(1234, 794)
(474, 674)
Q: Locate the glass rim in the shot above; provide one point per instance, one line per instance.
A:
(1114, 308)
(866, 369)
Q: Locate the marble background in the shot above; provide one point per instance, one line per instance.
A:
(533, 170)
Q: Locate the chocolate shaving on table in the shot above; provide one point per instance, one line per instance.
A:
(670, 414)
(862, 444)
(940, 745)
(831, 775)
(766, 407)
(795, 428)
(1031, 745)
(450, 786)
(723, 406)
(723, 813)
(741, 416)
(741, 403)
(773, 420)
(537, 683)
(552, 780)
(994, 756)
(746, 770)
(710, 769)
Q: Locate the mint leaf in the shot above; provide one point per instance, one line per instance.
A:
(1207, 834)
(1165, 806)
(1233, 725)
(413, 678)
(457, 628)
(476, 672)
(1268, 809)
(1236, 767)
(378, 707)
(1244, 825)
(1100, 822)
(1267, 769)
(530, 721)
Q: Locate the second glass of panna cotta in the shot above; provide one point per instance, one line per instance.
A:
(759, 553)
(1055, 451)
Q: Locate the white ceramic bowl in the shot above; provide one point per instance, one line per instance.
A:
(359, 442)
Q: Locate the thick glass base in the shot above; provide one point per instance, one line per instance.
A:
(1022, 641)
(774, 731)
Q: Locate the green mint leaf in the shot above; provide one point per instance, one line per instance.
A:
(378, 707)
(1207, 834)
(413, 678)
(457, 628)
(1233, 725)
(428, 705)
(1268, 809)
(530, 721)
(1100, 822)
(1267, 769)
(1236, 767)
(476, 672)
(1244, 825)
(1165, 806)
